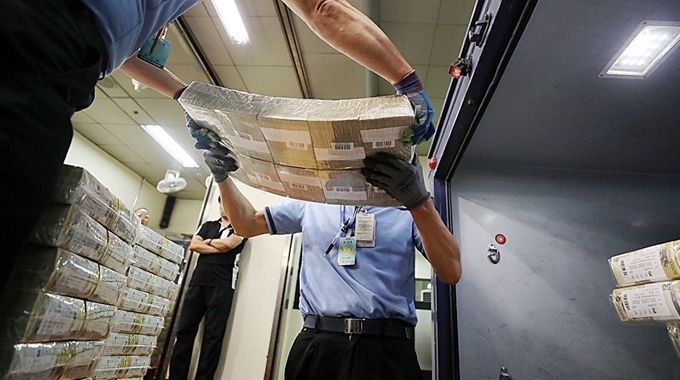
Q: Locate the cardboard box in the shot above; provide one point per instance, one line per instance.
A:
(270, 136)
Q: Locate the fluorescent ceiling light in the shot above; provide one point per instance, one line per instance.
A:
(231, 19)
(163, 138)
(644, 51)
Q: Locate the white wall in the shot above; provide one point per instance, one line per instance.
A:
(128, 186)
(252, 319)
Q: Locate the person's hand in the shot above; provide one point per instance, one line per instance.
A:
(403, 181)
(220, 161)
(205, 138)
(424, 128)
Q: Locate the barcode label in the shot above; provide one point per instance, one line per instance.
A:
(296, 145)
(341, 189)
(263, 176)
(245, 136)
(625, 301)
(342, 146)
(623, 267)
(383, 144)
(298, 186)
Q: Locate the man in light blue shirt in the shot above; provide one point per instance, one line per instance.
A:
(357, 275)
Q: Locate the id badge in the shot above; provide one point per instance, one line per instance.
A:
(160, 54)
(365, 233)
(347, 251)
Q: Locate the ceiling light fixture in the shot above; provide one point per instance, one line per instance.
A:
(171, 146)
(231, 19)
(644, 51)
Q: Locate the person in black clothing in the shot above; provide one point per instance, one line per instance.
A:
(209, 295)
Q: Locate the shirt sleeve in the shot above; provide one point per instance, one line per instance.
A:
(285, 218)
(417, 241)
(205, 230)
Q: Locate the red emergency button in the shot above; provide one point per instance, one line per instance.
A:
(500, 239)
(432, 163)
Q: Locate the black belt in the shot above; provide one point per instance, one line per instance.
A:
(387, 327)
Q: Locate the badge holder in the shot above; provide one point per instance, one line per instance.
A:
(156, 50)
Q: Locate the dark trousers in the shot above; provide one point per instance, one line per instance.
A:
(318, 355)
(53, 56)
(213, 302)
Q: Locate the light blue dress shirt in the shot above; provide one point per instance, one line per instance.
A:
(381, 283)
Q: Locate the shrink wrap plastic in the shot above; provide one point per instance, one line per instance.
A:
(148, 282)
(69, 228)
(301, 148)
(154, 242)
(53, 360)
(136, 323)
(658, 301)
(77, 187)
(143, 302)
(40, 317)
(114, 367)
(129, 344)
(651, 264)
(31, 317)
(58, 271)
(147, 260)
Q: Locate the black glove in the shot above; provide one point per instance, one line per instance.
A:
(205, 138)
(220, 161)
(401, 180)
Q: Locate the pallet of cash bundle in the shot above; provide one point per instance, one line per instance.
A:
(129, 322)
(98, 318)
(115, 367)
(148, 282)
(286, 145)
(52, 360)
(40, 317)
(76, 186)
(129, 344)
(149, 261)
(657, 301)
(69, 228)
(159, 245)
(660, 262)
(143, 302)
(55, 270)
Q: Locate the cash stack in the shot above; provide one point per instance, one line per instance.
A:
(78, 304)
(648, 287)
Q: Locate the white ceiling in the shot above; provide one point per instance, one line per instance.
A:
(428, 33)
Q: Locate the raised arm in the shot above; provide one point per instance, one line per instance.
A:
(441, 247)
(351, 32)
(247, 221)
(404, 182)
(161, 80)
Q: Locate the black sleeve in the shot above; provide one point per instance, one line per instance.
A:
(207, 230)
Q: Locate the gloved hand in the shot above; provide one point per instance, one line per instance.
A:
(403, 181)
(424, 128)
(205, 138)
(220, 161)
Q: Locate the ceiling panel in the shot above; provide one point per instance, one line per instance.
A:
(131, 134)
(334, 76)
(205, 31)
(267, 47)
(96, 133)
(414, 41)
(123, 153)
(409, 11)
(271, 80)
(230, 77)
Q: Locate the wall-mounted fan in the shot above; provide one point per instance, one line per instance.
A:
(172, 182)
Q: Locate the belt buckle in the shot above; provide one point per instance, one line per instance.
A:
(353, 325)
